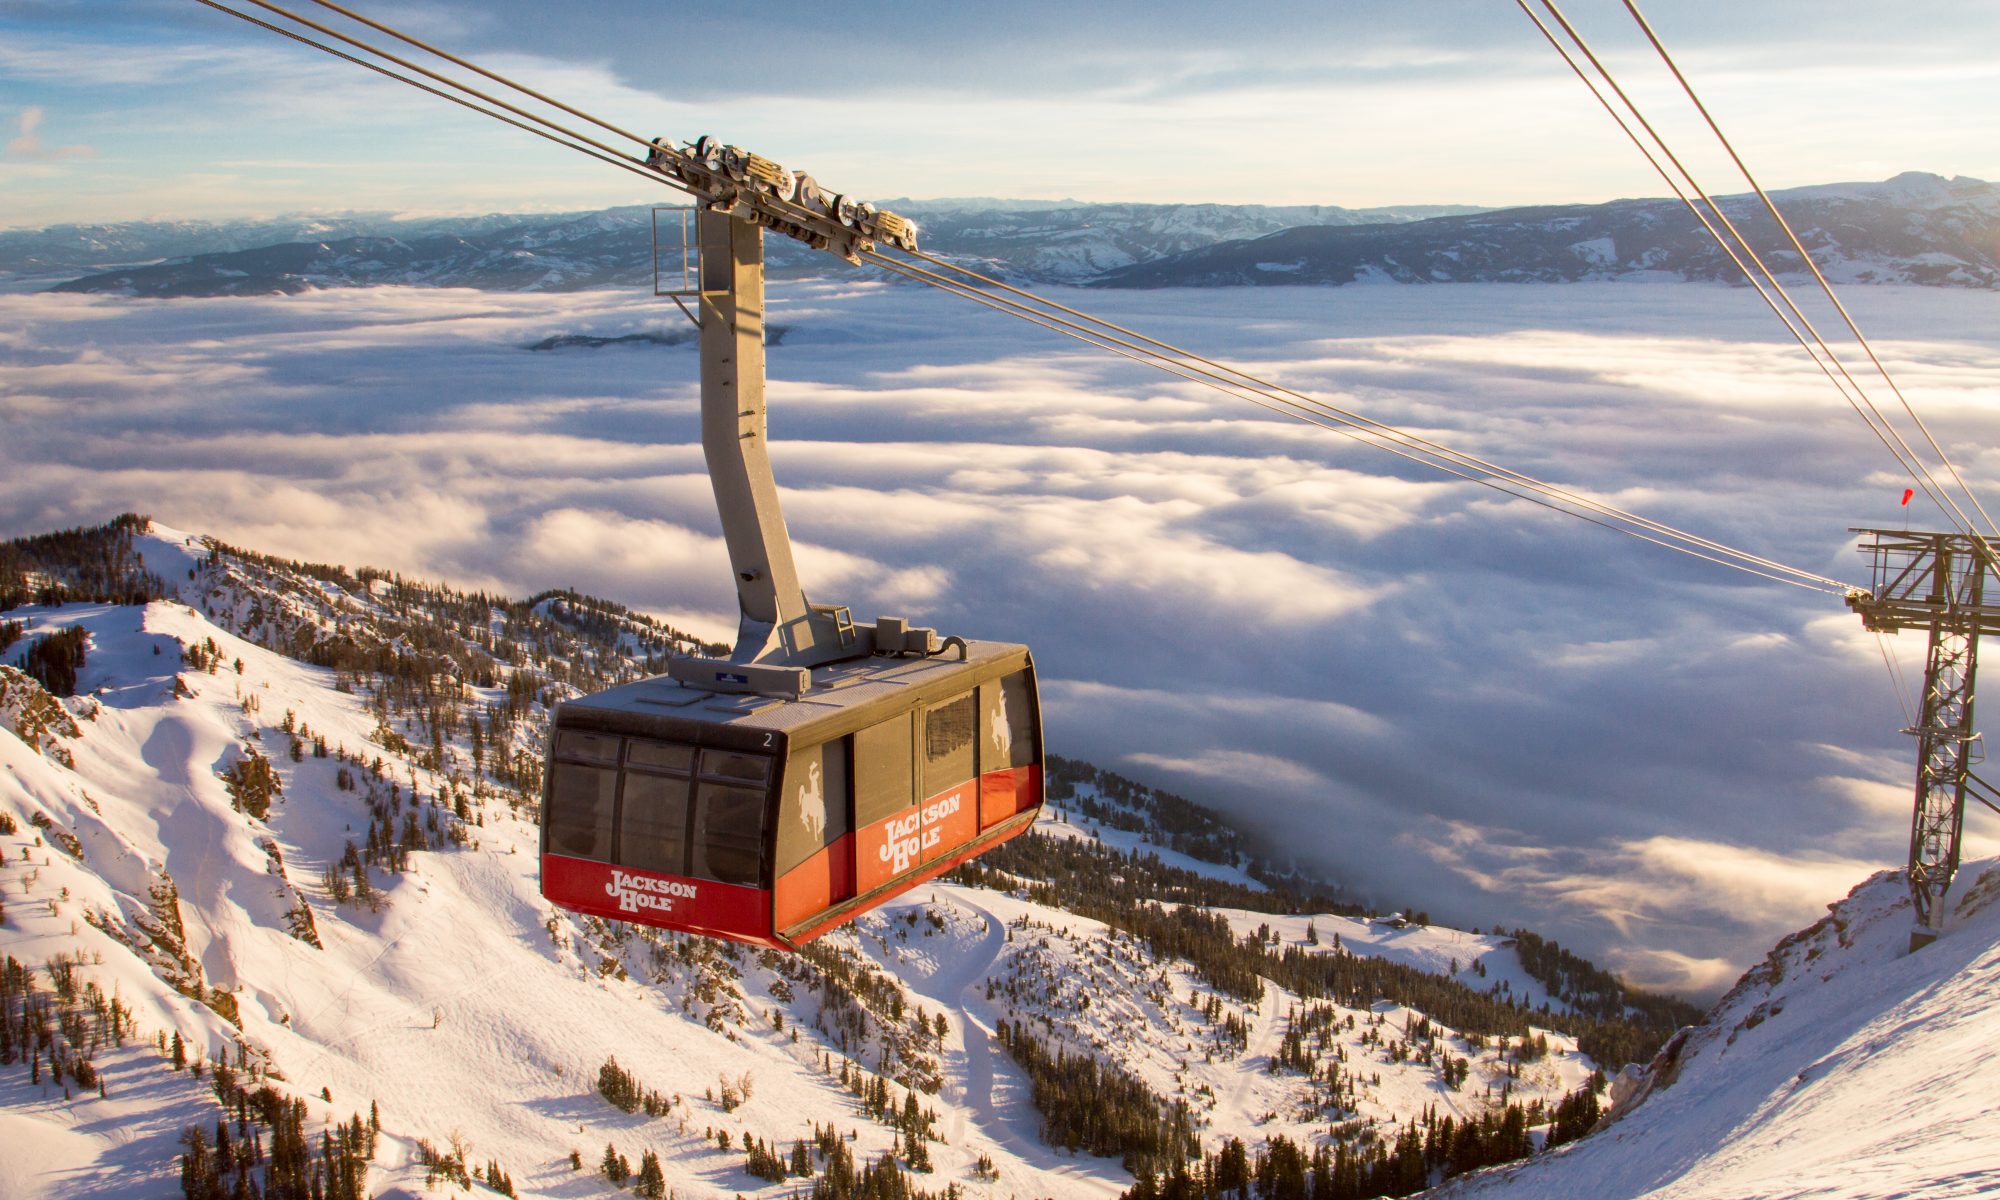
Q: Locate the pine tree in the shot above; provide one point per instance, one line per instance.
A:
(614, 1166)
(251, 784)
(652, 1183)
(199, 1172)
(53, 660)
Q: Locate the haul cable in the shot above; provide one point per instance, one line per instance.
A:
(426, 72)
(615, 159)
(1907, 456)
(1190, 366)
(1309, 414)
(1167, 351)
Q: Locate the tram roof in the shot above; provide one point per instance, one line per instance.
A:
(837, 688)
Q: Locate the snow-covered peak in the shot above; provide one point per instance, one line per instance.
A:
(1843, 1066)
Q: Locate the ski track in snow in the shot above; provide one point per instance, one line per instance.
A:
(1012, 1123)
(1266, 1031)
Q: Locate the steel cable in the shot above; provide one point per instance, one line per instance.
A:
(1896, 683)
(1169, 352)
(1381, 437)
(1910, 465)
(427, 73)
(1913, 463)
(613, 159)
(454, 59)
(1866, 346)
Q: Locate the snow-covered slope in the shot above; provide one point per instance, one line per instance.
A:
(324, 876)
(456, 999)
(1843, 1066)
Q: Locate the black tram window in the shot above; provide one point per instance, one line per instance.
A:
(729, 833)
(653, 813)
(950, 743)
(816, 808)
(580, 804)
(745, 768)
(587, 747)
(882, 783)
(660, 756)
(726, 841)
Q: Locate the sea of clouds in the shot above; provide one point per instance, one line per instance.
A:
(1451, 700)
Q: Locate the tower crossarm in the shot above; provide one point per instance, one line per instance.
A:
(1920, 579)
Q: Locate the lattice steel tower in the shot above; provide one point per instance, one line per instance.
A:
(1941, 582)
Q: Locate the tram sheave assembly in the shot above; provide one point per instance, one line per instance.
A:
(820, 769)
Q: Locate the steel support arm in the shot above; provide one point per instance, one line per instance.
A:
(778, 626)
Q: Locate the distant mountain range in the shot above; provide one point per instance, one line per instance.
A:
(1913, 229)
(1059, 242)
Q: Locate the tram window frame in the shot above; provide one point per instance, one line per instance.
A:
(736, 766)
(562, 823)
(669, 758)
(1017, 697)
(884, 769)
(584, 746)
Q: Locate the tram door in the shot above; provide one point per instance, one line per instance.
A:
(815, 832)
(885, 801)
(1010, 748)
(950, 757)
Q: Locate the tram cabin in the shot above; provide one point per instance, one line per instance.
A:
(771, 821)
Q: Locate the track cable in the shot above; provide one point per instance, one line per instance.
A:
(1904, 458)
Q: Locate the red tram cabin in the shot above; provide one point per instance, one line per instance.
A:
(769, 820)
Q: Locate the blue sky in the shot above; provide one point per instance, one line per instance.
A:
(163, 108)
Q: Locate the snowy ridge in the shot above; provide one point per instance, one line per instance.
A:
(1915, 228)
(1912, 229)
(565, 251)
(1842, 1066)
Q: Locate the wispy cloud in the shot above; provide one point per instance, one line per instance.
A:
(27, 144)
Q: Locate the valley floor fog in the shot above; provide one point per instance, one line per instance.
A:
(1455, 701)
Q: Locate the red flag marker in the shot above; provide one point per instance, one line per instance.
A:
(1907, 493)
